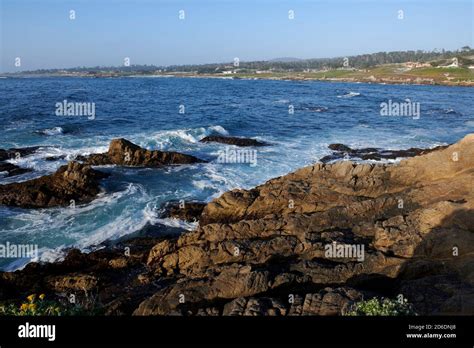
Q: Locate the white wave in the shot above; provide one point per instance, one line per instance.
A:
(203, 184)
(469, 123)
(151, 215)
(122, 226)
(219, 129)
(35, 223)
(52, 255)
(52, 131)
(220, 179)
(54, 218)
(172, 138)
(315, 108)
(16, 125)
(171, 222)
(39, 163)
(349, 95)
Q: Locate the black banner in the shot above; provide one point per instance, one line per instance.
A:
(380, 331)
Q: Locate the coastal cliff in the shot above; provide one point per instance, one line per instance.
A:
(274, 249)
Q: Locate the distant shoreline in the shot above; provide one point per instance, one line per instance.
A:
(287, 78)
(381, 81)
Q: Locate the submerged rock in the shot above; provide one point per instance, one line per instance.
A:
(55, 158)
(125, 153)
(12, 169)
(73, 183)
(17, 152)
(232, 141)
(341, 151)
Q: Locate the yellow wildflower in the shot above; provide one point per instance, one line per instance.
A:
(31, 298)
(42, 296)
(24, 306)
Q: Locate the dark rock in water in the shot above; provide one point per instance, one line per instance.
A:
(330, 158)
(339, 147)
(74, 181)
(81, 158)
(232, 141)
(54, 158)
(4, 155)
(187, 211)
(17, 152)
(125, 153)
(12, 169)
(341, 151)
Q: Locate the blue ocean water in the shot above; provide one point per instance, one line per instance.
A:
(146, 111)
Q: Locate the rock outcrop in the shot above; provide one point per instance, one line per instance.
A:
(413, 221)
(341, 151)
(125, 153)
(232, 141)
(74, 182)
(312, 242)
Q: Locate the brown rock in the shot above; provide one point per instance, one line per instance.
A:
(125, 153)
(418, 209)
(80, 282)
(73, 182)
(403, 229)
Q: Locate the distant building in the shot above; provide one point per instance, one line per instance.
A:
(454, 64)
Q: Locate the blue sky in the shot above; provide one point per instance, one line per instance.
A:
(150, 32)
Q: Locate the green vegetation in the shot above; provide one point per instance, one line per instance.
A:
(39, 306)
(383, 306)
(445, 73)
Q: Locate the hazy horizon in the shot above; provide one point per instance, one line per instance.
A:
(43, 35)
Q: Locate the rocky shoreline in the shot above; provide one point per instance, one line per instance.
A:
(394, 80)
(268, 250)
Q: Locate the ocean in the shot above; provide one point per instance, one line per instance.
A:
(299, 119)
